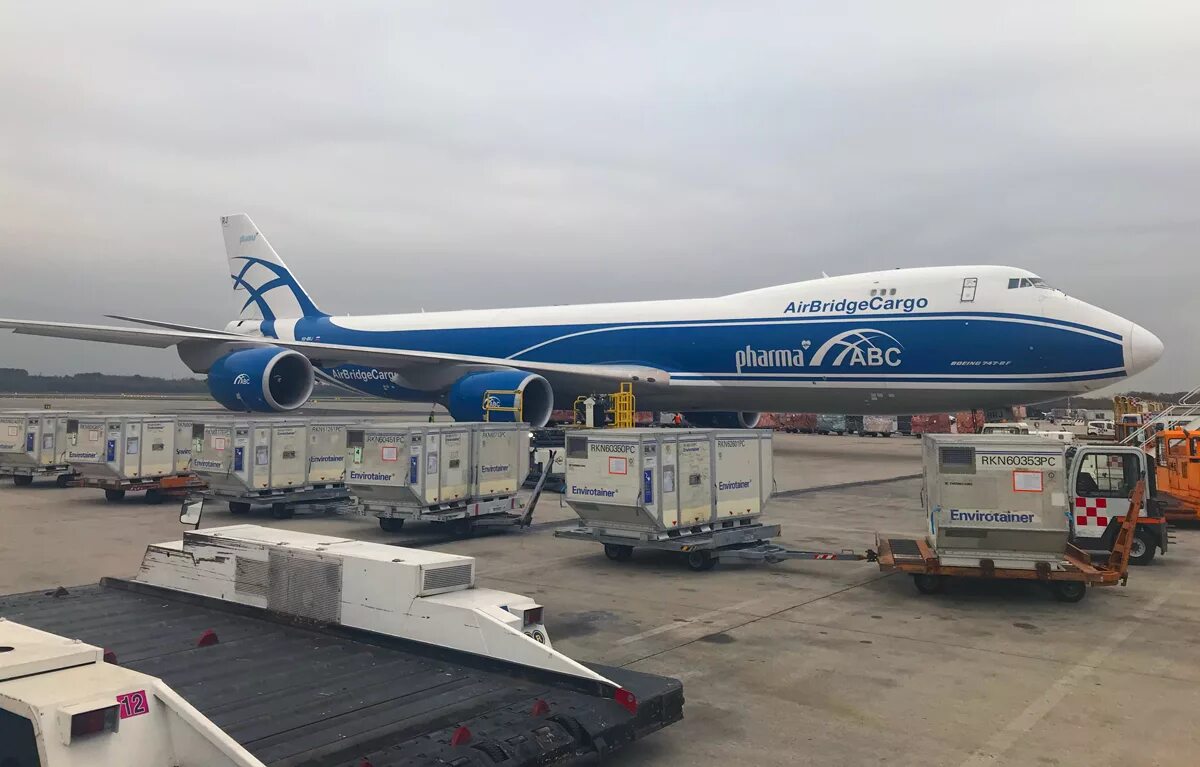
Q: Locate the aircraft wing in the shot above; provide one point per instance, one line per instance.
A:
(324, 355)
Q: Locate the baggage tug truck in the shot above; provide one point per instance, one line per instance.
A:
(1015, 506)
(246, 646)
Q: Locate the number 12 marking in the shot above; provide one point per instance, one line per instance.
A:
(133, 704)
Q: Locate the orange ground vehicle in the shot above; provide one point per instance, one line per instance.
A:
(1177, 471)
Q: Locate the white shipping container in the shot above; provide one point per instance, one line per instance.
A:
(659, 480)
(33, 439)
(183, 445)
(326, 451)
(239, 455)
(422, 465)
(999, 497)
(125, 447)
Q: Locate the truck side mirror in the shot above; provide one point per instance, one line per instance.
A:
(191, 511)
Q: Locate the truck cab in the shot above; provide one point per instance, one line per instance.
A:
(1100, 481)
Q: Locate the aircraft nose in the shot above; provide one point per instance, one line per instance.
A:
(1145, 348)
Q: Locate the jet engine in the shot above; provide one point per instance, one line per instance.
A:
(466, 397)
(736, 420)
(262, 380)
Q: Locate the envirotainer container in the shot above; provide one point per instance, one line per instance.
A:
(240, 455)
(999, 497)
(125, 447)
(327, 450)
(654, 481)
(183, 444)
(423, 465)
(33, 439)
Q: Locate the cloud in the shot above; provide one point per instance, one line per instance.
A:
(432, 155)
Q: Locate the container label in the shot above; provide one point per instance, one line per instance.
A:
(618, 465)
(389, 453)
(111, 451)
(1027, 481)
(372, 476)
(239, 461)
(1002, 459)
(1000, 517)
(648, 486)
(413, 469)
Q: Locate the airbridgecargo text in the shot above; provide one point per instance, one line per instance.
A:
(851, 306)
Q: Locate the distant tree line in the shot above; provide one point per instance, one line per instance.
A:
(20, 381)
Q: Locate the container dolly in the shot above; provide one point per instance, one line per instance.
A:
(1068, 583)
(157, 490)
(702, 546)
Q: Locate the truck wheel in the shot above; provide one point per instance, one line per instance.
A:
(282, 510)
(237, 507)
(113, 496)
(64, 480)
(618, 552)
(461, 528)
(1143, 548)
(22, 480)
(701, 560)
(390, 524)
(928, 583)
(1068, 591)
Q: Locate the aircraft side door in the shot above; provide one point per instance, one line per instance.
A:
(1100, 483)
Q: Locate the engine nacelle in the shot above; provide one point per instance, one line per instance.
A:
(465, 400)
(738, 420)
(262, 380)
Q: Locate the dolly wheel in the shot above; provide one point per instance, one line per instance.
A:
(154, 496)
(22, 480)
(282, 510)
(461, 527)
(928, 583)
(237, 507)
(1143, 548)
(390, 524)
(701, 560)
(113, 496)
(618, 552)
(1068, 591)
(64, 480)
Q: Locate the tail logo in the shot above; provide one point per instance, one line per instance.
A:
(248, 237)
(241, 379)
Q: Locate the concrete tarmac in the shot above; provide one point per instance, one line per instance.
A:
(797, 663)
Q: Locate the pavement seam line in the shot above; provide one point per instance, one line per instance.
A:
(732, 609)
(754, 620)
(996, 746)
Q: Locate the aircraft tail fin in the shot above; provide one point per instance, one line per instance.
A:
(271, 290)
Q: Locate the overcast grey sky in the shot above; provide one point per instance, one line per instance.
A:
(402, 155)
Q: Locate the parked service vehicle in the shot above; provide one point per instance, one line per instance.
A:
(1005, 428)
(33, 445)
(1086, 487)
(1101, 429)
(306, 649)
(1008, 507)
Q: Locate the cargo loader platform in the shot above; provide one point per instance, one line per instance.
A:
(293, 693)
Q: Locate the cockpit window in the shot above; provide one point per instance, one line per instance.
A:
(1028, 282)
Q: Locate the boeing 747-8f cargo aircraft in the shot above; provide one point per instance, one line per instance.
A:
(903, 341)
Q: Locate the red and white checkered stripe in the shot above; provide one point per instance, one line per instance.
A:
(1091, 511)
(825, 556)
